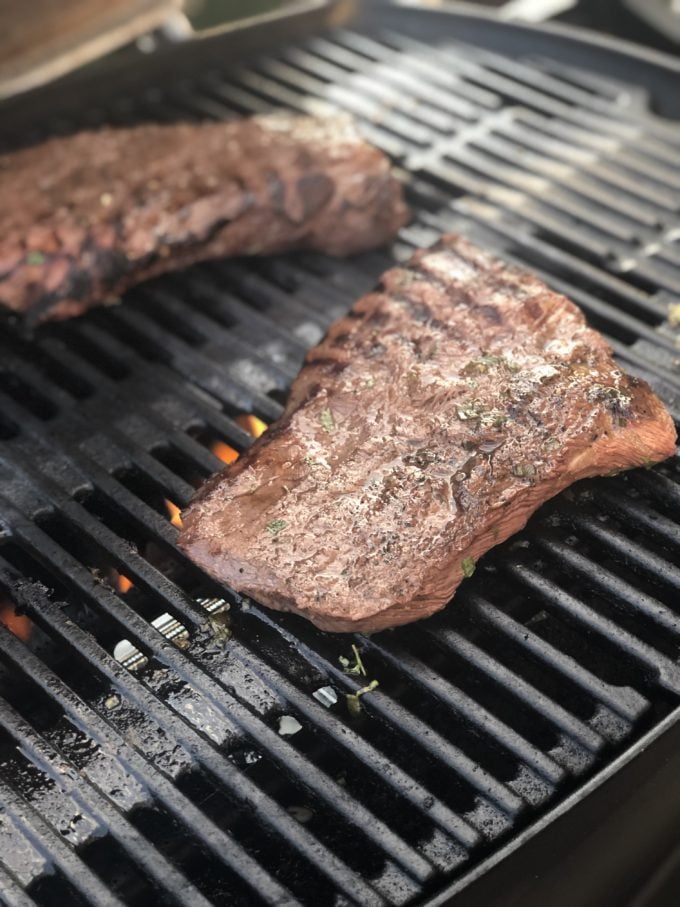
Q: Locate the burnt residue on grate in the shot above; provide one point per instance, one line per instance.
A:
(164, 741)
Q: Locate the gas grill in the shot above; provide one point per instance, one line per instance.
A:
(165, 741)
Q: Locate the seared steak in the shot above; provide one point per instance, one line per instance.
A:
(85, 217)
(424, 429)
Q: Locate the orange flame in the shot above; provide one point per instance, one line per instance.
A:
(223, 452)
(252, 424)
(174, 513)
(18, 624)
(122, 583)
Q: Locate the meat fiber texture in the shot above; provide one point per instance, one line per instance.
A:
(425, 428)
(85, 217)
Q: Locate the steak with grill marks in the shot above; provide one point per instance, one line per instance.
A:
(83, 218)
(426, 427)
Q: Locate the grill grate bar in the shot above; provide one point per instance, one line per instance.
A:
(617, 589)
(625, 701)
(228, 775)
(521, 136)
(126, 453)
(643, 516)
(419, 797)
(632, 553)
(363, 100)
(55, 765)
(391, 142)
(196, 405)
(224, 847)
(12, 892)
(510, 680)
(43, 837)
(280, 355)
(629, 157)
(497, 74)
(531, 197)
(115, 438)
(668, 673)
(201, 372)
(473, 712)
(81, 580)
(662, 489)
(452, 68)
(397, 715)
(282, 307)
(498, 205)
(442, 109)
(141, 516)
(642, 212)
(237, 98)
(33, 440)
(624, 115)
(50, 397)
(251, 333)
(353, 51)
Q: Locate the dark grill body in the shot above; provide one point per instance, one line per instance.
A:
(168, 781)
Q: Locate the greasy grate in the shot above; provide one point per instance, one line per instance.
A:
(155, 770)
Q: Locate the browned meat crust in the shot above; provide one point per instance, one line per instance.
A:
(83, 218)
(426, 428)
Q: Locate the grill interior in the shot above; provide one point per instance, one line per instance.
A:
(166, 778)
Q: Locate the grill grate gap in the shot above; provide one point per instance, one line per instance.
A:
(154, 300)
(117, 323)
(302, 879)
(144, 488)
(125, 879)
(177, 843)
(54, 890)
(94, 354)
(44, 361)
(180, 464)
(27, 396)
(8, 428)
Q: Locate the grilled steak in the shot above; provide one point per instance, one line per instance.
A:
(426, 428)
(83, 218)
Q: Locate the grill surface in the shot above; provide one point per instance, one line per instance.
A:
(168, 780)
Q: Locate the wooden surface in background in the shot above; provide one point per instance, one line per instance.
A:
(42, 39)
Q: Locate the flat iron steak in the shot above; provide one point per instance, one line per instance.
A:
(426, 427)
(85, 217)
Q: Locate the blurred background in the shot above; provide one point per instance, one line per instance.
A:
(45, 39)
(652, 22)
(209, 13)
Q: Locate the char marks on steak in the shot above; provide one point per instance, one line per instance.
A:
(424, 429)
(85, 217)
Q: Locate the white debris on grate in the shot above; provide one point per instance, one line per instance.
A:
(131, 658)
(288, 725)
(326, 696)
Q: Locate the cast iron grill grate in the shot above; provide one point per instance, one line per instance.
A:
(155, 770)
